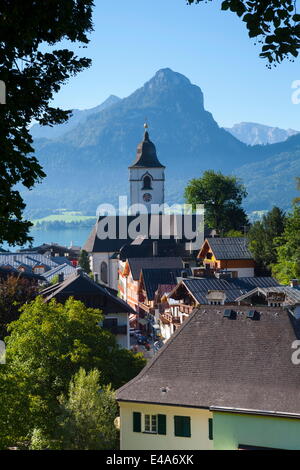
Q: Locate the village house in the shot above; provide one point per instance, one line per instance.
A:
(227, 379)
(230, 255)
(81, 287)
(31, 262)
(193, 292)
(149, 282)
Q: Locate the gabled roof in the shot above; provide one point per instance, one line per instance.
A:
(212, 360)
(80, 286)
(146, 156)
(65, 269)
(227, 248)
(233, 287)
(154, 262)
(29, 260)
(292, 294)
(167, 229)
(152, 278)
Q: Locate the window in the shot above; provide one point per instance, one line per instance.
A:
(147, 182)
(154, 424)
(103, 272)
(182, 426)
(150, 423)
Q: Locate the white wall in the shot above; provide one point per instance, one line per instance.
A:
(144, 441)
(95, 263)
(136, 184)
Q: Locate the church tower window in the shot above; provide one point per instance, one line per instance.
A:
(103, 272)
(147, 182)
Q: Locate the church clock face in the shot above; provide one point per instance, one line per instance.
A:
(147, 197)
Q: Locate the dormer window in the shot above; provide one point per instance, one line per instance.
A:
(147, 182)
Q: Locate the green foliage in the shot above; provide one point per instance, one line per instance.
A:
(262, 237)
(14, 292)
(32, 76)
(234, 233)
(274, 23)
(288, 250)
(88, 413)
(84, 261)
(222, 197)
(55, 279)
(47, 345)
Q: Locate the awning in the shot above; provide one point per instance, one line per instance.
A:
(142, 321)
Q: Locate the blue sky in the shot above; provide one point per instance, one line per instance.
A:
(134, 38)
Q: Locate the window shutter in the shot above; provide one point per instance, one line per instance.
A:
(136, 421)
(161, 424)
(210, 429)
(186, 426)
(182, 426)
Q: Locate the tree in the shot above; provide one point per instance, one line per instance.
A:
(88, 414)
(84, 261)
(14, 292)
(50, 342)
(262, 238)
(222, 197)
(32, 76)
(275, 24)
(287, 266)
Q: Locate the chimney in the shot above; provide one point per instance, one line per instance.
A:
(294, 282)
(155, 248)
(60, 277)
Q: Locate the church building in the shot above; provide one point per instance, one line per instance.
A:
(165, 235)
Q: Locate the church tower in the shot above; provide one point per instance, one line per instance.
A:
(146, 175)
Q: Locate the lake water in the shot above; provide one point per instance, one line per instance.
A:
(65, 237)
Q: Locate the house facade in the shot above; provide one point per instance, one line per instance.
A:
(229, 254)
(217, 384)
(81, 287)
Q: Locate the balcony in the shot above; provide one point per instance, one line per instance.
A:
(187, 309)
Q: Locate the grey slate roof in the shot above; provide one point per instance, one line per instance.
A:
(154, 262)
(292, 293)
(146, 156)
(233, 287)
(80, 286)
(28, 260)
(230, 248)
(120, 241)
(216, 361)
(65, 269)
(154, 277)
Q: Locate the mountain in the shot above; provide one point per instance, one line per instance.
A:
(78, 117)
(252, 133)
(88, 163)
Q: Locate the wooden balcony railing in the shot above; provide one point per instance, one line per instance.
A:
(186, 308)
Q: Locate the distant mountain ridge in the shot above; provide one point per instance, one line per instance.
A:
(78, 116)
(87, 164)
(252, 133)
